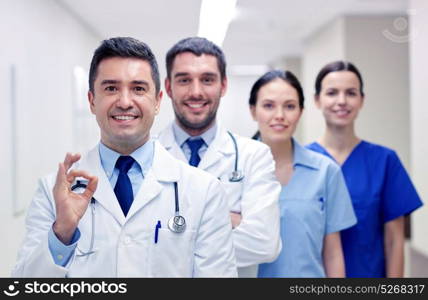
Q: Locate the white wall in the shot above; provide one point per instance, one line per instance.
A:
(43, 43)
(373, 44)
(326, 45)
(419, 118)
(234, 112)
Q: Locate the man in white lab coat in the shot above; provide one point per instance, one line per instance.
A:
(127, 208)
(196, 80)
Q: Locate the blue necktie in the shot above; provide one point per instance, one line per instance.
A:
(194, 146)
(123, 188)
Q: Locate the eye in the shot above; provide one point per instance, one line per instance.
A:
(207, 80)
(139, 89)
(290, 106)
(331, 93)
(183, 80)
(352, 93)
(267, 105)
(110, 88)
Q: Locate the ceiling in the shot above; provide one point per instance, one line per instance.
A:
(262, 31)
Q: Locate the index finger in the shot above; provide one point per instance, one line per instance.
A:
(91, 187)
(70, 159)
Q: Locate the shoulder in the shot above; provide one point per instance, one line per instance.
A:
(318, 160)
(376, 148)
(248, 145)
(378, 153)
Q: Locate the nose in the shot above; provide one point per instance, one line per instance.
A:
(279, 114)
(125, 100)
(195, 90)
(341, 99)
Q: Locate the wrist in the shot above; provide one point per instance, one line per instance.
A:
(63, 231)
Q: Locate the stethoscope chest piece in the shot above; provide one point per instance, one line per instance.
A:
(236, 176)
(177, 224)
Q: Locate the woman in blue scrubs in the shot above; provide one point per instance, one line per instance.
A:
(380, 188)
(315, 204)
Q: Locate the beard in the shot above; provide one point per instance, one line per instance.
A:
(204, 124)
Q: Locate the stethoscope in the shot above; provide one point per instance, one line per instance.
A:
(236, 175)
(176, 223)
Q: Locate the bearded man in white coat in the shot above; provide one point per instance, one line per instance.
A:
(127, 208)
(196, 80)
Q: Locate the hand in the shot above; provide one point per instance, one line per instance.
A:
(70, 206)
(236, 219)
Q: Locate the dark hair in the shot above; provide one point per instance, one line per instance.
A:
(337, 66)
(287, 76)
(197, 46)
(125, 47)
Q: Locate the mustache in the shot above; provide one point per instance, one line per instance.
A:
(131, 111)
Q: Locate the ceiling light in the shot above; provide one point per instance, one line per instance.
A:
(214, 19)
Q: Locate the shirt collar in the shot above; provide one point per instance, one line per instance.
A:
(181, 136)
(142, 155)
(303, 156)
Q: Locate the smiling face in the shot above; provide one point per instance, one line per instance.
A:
(277, 111)
(195, 87)
(340, 98)
(124, 102)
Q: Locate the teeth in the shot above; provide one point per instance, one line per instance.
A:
(124, 117)
(195, 105)
(342, 112)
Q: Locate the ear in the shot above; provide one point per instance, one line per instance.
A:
(158, 102)
(317, 101)
(362, 101)
(253, 112)
(301, 113)
(223, 86)
(168, 87)
(91, 100)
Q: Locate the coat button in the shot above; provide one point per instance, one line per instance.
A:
(127, 240)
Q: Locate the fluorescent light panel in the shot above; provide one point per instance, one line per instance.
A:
(214, 19)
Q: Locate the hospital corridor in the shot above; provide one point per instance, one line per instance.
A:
(279, 67)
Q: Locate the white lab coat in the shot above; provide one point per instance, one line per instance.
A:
(124, 247)
(257, 238)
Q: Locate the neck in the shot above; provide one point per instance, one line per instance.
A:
(339, 138)
(282, 151)
(195, 131)
(124, 148)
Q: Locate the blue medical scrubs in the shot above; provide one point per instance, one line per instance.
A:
(381, 191)
(313, 204)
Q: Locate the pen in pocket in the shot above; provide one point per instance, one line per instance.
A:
(322, 203)
(158, 226)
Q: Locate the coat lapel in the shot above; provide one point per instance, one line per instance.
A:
(165, 168)
(221, 147)
(104, 193)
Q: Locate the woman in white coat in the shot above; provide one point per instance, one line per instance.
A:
(125, 232)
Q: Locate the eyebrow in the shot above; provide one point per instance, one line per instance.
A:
(179, 74)
(112, 81)
(109, 81)
(287, 100)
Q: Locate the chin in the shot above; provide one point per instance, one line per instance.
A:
(340, 123)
